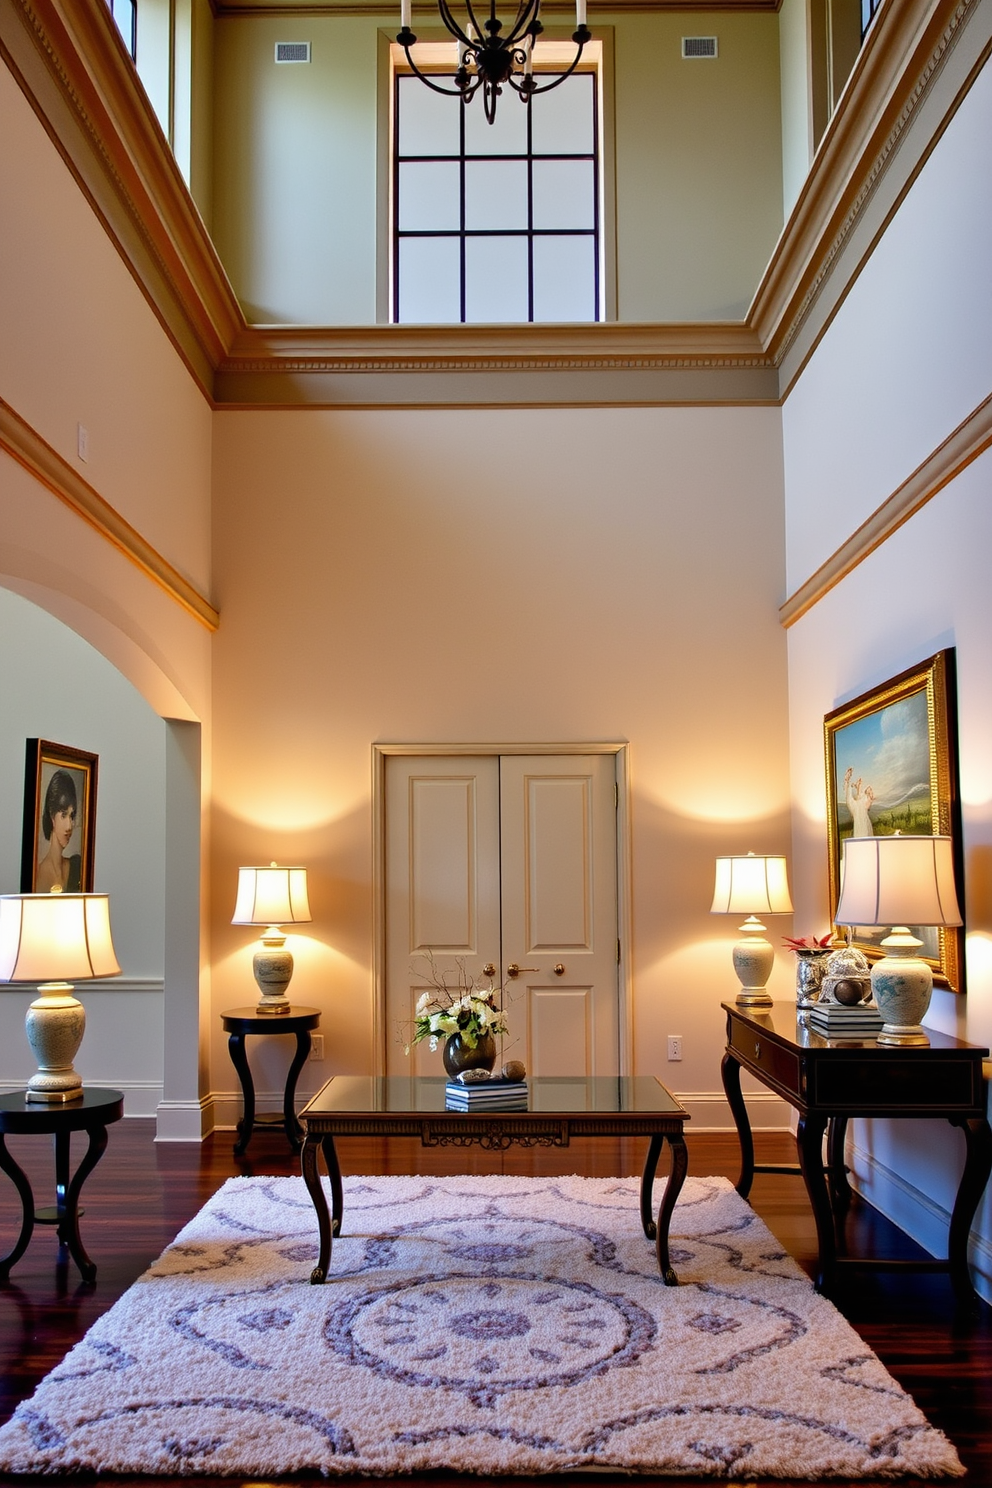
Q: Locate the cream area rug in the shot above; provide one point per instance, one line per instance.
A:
(484, 1325)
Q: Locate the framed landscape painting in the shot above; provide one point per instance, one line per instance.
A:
(59, 819)
(891, 762)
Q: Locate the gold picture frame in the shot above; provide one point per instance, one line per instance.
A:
(59, 833)
(891, 764)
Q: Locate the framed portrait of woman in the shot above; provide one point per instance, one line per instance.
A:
(59, 819)
(891, 763)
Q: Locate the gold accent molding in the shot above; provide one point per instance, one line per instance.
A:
(29, 449)
(969, 440)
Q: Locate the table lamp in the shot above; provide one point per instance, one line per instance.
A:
(899, 881)
(55, 939)
(272, 897)
(752, 885)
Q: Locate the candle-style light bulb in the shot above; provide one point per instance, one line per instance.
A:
(406, 14)
(580, 13)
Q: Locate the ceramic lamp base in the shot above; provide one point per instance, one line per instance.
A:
(273, 968)
(901, 985)
(54, 1024)
(754, 958)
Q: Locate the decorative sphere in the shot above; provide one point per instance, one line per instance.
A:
(514, 1069)
(849, 992)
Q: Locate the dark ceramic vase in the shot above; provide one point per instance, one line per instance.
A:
(457, 1056)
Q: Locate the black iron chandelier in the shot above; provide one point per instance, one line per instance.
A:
(488, 60)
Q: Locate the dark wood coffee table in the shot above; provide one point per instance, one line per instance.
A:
(559, 1110)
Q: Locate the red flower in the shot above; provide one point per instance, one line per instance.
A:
(808, 942)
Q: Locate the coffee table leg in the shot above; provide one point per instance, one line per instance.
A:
(20, 1182)
(977, 1166)
(311, 1177)
(658, 1230)
(334, 1174)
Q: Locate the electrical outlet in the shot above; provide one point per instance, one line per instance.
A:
(316, 1047)
(674, 1046)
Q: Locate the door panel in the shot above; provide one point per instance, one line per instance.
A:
(442, 886)
(510, 860)
(559, 897)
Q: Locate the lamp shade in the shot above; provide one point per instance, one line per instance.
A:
(751, 884)
(55, 938)
(898, 881)
(271, 896)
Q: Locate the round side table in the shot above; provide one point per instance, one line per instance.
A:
(240, 1023)
(92, 1112)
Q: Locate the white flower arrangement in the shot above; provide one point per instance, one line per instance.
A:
(454, 1004)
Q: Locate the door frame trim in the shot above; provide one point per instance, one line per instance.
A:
(620, 750)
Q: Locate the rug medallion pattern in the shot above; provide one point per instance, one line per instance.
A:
(485, 1325)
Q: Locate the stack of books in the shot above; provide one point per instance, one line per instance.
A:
(834, 1020)
(487, 1095)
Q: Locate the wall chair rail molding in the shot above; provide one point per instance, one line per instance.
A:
(72, 66)
(916, 66)
(969, 440)
(29, 449)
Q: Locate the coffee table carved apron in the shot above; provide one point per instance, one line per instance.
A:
(560, 1110)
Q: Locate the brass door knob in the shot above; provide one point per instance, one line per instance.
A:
(489, 969)
(559, 970)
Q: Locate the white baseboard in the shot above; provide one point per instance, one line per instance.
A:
(184, 1121)
(710, 1112)
(917, 1214)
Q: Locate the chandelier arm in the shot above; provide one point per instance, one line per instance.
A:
(447, 92)
(526, 15)
(558, 80)
(451, 25)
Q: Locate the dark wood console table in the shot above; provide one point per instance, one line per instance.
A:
(828, 1082)
(91, 1112)
(240, 1023)
(559, 1109)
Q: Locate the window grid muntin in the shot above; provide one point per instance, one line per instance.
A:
(125, 14)
(462, 233)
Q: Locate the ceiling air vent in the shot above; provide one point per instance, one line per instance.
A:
(698, 46)
(292, 51)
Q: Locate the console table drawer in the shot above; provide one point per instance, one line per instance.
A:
(770, 1062)
(890, 1082)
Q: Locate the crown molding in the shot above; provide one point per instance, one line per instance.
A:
(963, 446)
(75, 72)
(25, 445)
(295, 11)
(608, 363)
(862, 170)
(70, 63)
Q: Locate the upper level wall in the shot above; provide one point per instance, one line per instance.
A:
(698, 165)
(79, 345)
(907, 358)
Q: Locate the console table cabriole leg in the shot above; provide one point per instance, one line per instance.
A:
(676, 1178)
(311, 1177)
(977, 1167)
(20, 1182)
(68, 1230)
(239, 1058)
(809, 1141)
(731, 1073)
(294, 1130)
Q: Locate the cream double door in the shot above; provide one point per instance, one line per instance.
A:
(509, 862)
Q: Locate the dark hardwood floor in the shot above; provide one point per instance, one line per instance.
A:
(143, 1192)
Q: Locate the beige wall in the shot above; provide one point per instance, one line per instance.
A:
(499, 576)
(884, 389)
(698, 166)
(79, 345)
